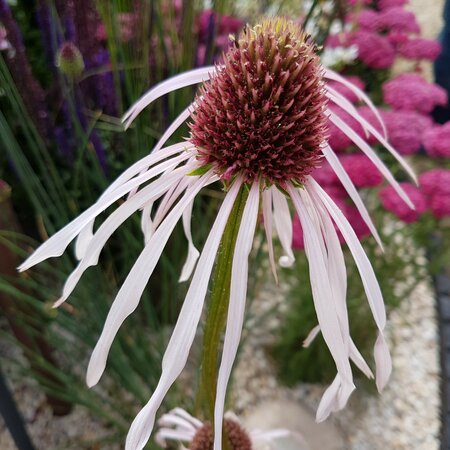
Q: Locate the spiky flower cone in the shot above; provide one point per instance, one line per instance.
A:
(238, 438)
(262, 115)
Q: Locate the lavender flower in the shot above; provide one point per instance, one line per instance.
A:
(258, 127)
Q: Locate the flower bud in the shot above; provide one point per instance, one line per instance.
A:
(70, 60)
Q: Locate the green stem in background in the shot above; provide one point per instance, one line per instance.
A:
(218, 309)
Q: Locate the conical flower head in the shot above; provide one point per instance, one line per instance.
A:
(238, 438)
(262, 114)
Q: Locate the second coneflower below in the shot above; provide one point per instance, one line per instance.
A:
(258, 127)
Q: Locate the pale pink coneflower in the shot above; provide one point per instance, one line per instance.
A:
(181, 427)
(258, 122)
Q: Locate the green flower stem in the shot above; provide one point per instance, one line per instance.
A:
(218, 309)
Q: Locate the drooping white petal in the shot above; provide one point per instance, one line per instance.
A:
(368, 278)
(311, 336)
(193, 253)
(334, 259)
(83, 240)
(359, 361)
(283, 225)
(328, 400)
(355, 355)
(331, 75)
(383, 362)
(268, 219)
(321, 289)
(190, 418)
(165, 434)
(236, 307)
(150, 192)
(130, 293)
(341, 101)
(183, 335)
(368, 151)
(336, 165)
(173, 420)
(56, 245)
(172, 84)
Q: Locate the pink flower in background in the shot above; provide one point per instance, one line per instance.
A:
(437, 141)
(398, 19)
(420, 48)
(405, 130)
(435, 181)
(361, 170)
(367, 19)
(345, 91)
(227, 24)
(440, 205)
(386, 4)
(397, 38)
(373, 50)
(411, 92)
(435, 184)
(325, 175)
(298, 242)
(393, 203)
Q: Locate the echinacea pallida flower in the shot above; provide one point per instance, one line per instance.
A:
(179, 426)
(259, 123)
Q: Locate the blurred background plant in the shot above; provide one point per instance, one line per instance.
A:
(69, 69)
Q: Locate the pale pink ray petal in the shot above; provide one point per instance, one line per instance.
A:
(268, 219)
(342, 102)
(321, 289)
(164, 434)
(171, 196)
(83, 240)
(355, 355)
(236, 307)
(311, 336)
(190, 418)
(331, 75)
(184, 115)
(147, 222)
(169, 420)
(368, 278)
(130, 293)
(383, 362)
(193, 253)
(338, 168)
(55, 245)
(184, 332)
(152, 191)
(368, 151)
(336, 265)
(146, 162)
(283, 225)
(328, 400)
(172, 84)
(359, 361)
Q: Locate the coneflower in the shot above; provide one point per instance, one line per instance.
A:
(258, 128)
(179, 426)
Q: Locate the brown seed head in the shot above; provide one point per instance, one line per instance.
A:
(262, 114)
(237, 437)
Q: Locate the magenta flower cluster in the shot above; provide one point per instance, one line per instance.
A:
(437, 141)
(410, 92)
